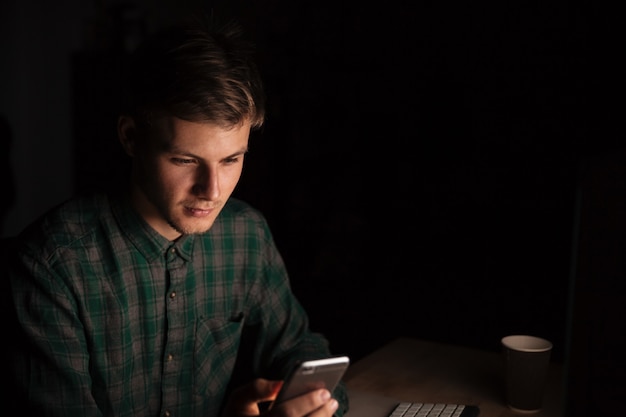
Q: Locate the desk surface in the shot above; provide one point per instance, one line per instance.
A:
(416, 370)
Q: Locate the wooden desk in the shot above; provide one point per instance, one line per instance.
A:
(417, 370)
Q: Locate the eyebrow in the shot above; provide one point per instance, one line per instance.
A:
(175, 150)
(242, 151)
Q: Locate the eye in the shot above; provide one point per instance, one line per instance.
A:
(182, 161)
(231, 160)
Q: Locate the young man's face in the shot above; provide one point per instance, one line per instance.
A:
(184, 174)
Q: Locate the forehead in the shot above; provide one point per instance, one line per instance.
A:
(181, 135)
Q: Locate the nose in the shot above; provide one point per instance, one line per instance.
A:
(206, 184)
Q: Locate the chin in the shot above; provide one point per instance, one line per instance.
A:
(192, 228)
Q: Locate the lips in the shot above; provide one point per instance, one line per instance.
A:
(198, 212)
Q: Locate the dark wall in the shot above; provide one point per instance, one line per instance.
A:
(419, 164)
(596, 367)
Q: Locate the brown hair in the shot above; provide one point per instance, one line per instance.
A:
(195, 72)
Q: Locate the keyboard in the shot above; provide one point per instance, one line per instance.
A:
(414, 409)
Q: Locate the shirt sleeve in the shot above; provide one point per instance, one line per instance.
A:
(49, 362)
(284, 335)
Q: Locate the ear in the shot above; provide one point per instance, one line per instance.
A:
(127, 132)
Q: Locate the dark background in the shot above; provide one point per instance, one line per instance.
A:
(440, 170)
(420, 165)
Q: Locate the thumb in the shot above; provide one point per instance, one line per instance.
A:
(266, 389)
(244, 401)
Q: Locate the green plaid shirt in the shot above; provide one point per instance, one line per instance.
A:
(119, 321)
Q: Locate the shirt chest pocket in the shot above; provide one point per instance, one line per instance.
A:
(215, 353)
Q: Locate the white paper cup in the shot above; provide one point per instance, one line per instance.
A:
(526, 362)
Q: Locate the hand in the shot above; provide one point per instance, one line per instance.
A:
(244, 402)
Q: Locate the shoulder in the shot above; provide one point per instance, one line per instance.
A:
(66, 223)
(240, 218)
(236, 208)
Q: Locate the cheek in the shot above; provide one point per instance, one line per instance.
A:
(170, 180)
(233, 179)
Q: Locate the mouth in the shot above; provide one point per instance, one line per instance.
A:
(199, 212)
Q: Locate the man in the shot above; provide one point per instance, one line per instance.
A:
(170, 299)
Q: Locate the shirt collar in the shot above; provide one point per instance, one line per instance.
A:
(145, 239)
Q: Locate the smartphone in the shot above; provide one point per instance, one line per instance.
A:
(313, 374)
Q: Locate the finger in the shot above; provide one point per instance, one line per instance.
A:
(265, 389)
(327, 410)
(244, 401)
(314, 403)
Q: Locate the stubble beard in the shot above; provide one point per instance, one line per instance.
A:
(179, 227)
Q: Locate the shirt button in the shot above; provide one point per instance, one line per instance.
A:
(170, 357)
(167, 413)
(173, 294)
